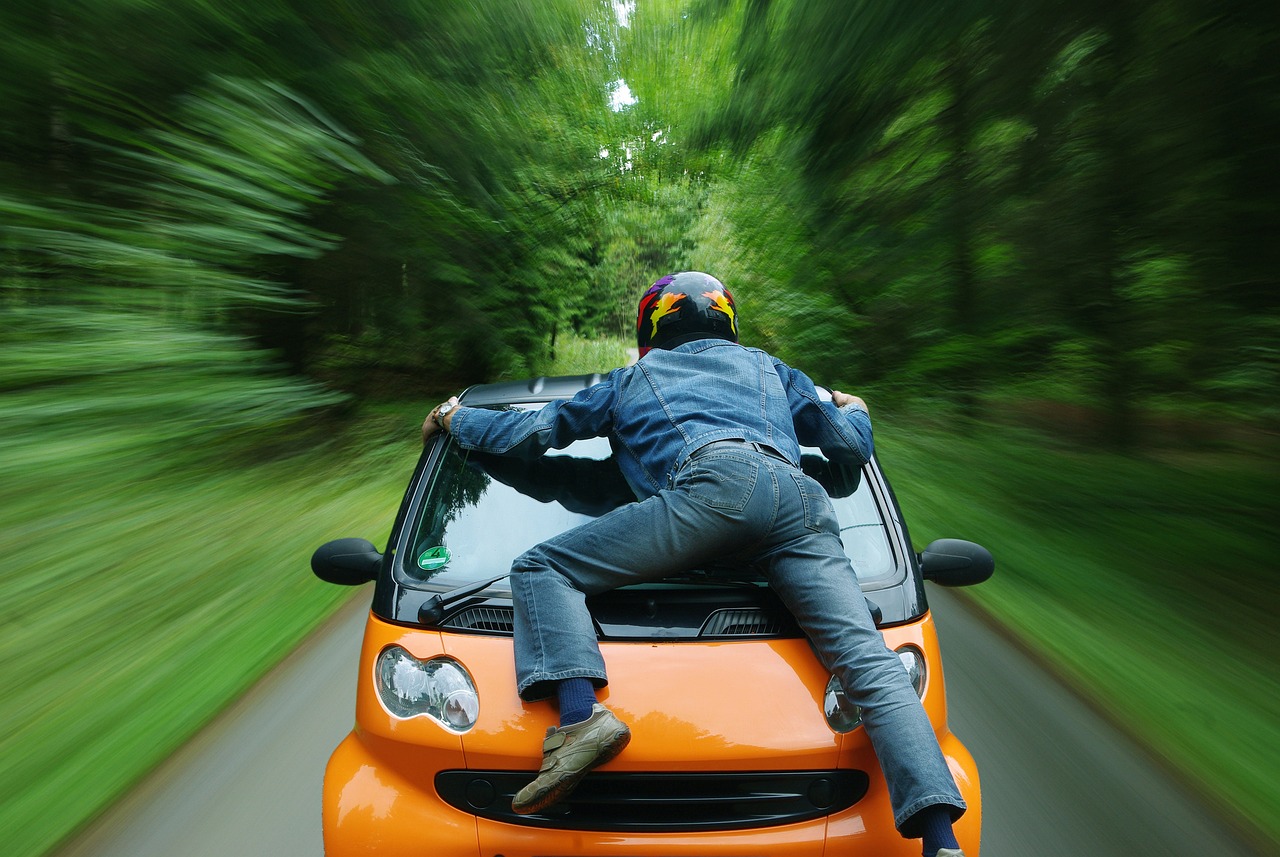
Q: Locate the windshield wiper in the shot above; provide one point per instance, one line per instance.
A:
(432, 610)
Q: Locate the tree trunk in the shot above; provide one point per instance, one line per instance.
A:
(957, 123)
(1119, 222)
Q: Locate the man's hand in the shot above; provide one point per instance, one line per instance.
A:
(434, 422)
(842, 399)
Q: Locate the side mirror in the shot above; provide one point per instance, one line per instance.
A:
(954, 562)
(346, 562)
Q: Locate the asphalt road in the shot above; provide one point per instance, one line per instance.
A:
(1057, 780)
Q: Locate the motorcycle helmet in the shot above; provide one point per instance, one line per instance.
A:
(684, 307)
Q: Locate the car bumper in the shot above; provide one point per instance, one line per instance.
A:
(380, 795)
(370, 810)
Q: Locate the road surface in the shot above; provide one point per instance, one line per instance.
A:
(1057, 780)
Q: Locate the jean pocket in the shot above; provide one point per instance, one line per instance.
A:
(722, 483)
(819, 515)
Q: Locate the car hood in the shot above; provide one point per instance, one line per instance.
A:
(738, 705)
(742, 705)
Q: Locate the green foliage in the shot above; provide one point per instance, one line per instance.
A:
(80, 387)
(197, 208)
(575, 355)
(986, 184)
(921, 199)
(911, 179)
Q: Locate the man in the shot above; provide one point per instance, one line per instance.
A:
(707, 434)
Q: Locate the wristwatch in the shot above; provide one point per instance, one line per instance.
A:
(444, 409)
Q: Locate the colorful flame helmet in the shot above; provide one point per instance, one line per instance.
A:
(683, 307)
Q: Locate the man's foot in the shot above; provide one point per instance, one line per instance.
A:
(568, 753)
(950, 852)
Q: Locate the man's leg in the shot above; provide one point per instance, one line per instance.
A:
(809, 570)
(576, 698)
(569, 753)
(555, 641)
(671, 532)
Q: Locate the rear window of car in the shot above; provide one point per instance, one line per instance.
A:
(481, 511)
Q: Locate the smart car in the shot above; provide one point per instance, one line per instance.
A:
(741, 743)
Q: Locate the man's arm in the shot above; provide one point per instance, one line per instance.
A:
(841, 428)
(587, 486)
(554, 426)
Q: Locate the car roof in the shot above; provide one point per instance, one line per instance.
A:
(544, 388)
(541, 389)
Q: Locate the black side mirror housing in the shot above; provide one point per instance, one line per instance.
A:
(955, 562)
(346, 562)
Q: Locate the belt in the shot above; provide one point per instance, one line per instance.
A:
(739, 443)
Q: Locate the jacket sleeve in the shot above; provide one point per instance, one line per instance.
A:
(843, 434)
(555, 426)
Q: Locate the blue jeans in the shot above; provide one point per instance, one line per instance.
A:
(730, 501)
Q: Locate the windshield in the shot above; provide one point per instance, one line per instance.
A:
(481, 511)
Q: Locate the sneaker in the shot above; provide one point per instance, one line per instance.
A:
(950, 852)
(568, 753)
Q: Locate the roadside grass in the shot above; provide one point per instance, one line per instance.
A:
(1149, 583)
(136, 607)
(150, 579)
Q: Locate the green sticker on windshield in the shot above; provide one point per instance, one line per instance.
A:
(433, 558)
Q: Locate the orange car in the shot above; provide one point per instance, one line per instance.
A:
(741, 743)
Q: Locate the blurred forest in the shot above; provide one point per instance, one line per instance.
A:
(227, 225)
(975, 203)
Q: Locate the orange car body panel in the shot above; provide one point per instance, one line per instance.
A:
(764, 698)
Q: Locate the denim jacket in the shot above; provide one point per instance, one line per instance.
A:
(660, 410)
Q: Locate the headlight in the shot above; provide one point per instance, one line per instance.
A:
(439, 688)
(844, 716)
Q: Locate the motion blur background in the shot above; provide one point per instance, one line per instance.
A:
(245, 245)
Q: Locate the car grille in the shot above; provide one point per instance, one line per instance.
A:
(663, 802)
(728, 622)
(742, 622)
(496, 619)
